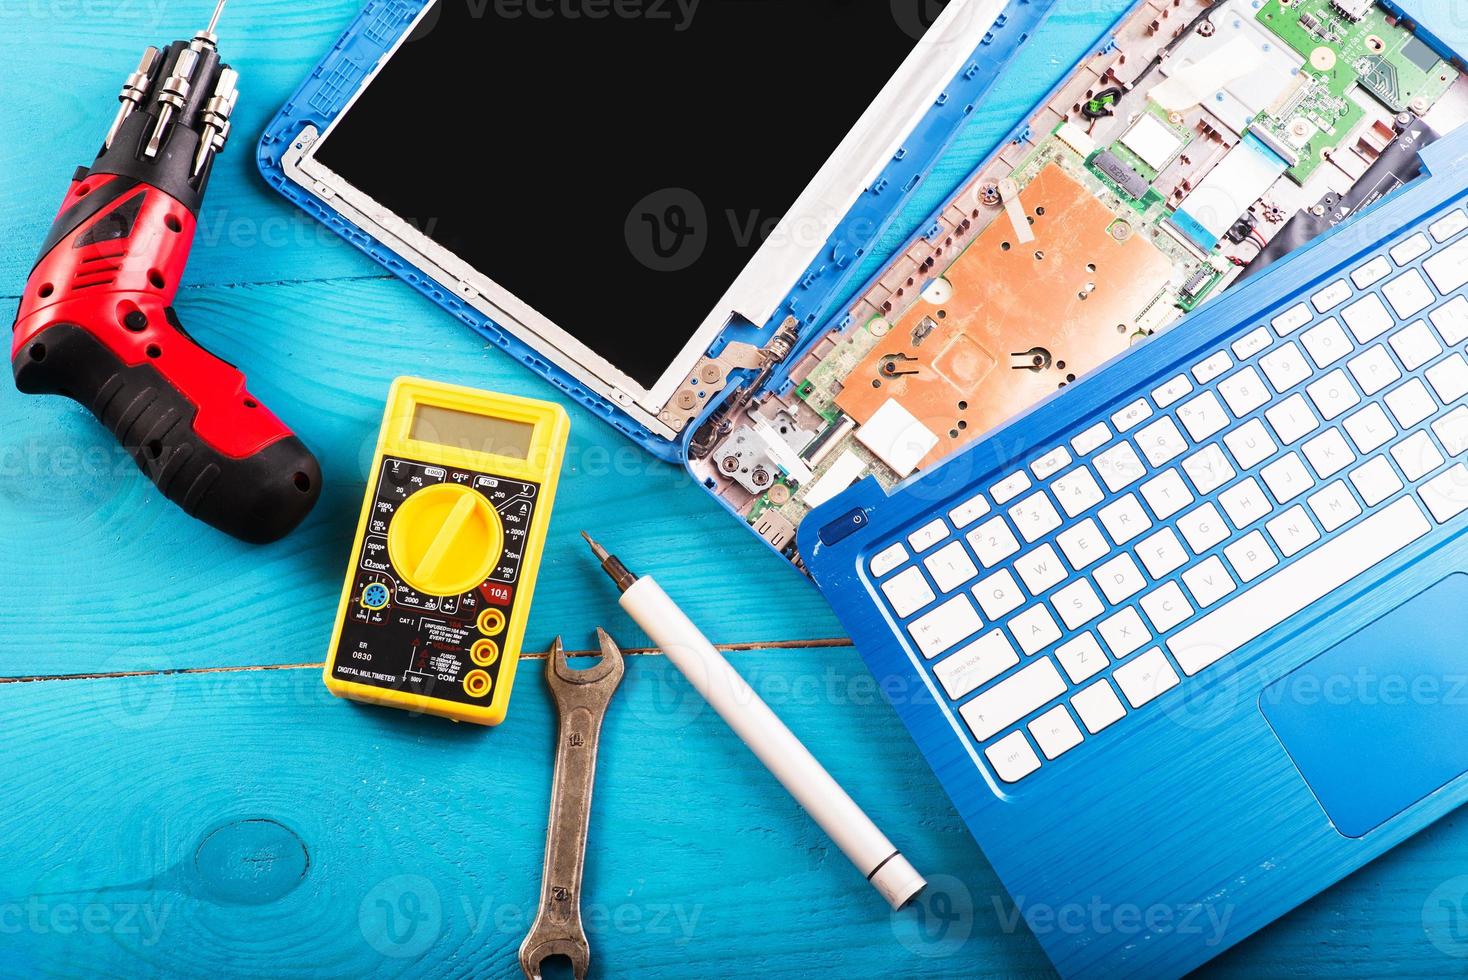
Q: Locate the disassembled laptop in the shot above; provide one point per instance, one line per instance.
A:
(1119, 210)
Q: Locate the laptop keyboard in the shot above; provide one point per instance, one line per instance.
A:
(1053, 603)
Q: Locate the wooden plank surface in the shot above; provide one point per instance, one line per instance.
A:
(203, 811)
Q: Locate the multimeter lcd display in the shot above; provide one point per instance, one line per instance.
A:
(476, 433)
(615, 165)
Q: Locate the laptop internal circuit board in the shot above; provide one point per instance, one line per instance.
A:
(1206, 143)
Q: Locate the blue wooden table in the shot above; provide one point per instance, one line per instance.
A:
(178, 793)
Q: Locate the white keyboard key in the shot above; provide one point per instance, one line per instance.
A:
(1077, 491)
(1161, 442)
(908, 592)
(1331, 296)
(1161, 553)
(1369, 428)
(887, 559)
(1208, 468)
(1012, 758)
(1328, 453)
(1034, 629)
(1172, 391)
(1368, 318)
(1166, 494)
(1372, 272)
(1246, 346)
(1213, 367)
(1326, 343)
(1083, 544)
(1451, 320)
(928, 535)
(1417, 455)
(993, 542)
(1374, 370)
(1415, 345)
(1166, 607)
(1333, 395)
(1124, 519)
(1293, 531)
(1055, 732)
(1410, 403)
(1297, 586)
(1250, 556)
(945, 627)
(976, 664)
(1449, 268)
(1449, 378)
(1098, 706)
(1335, 506)
(1292, 319)
(1040, 569)
(999, 594)
(1285, 367)
(950, 567)
(1244, 391)
(1409, 294)
(1124, 633)
(1446, 495)
(1091, 440)
(1375, 480)
(1146, 677)
(1051, 463)
(969, 511)
(1120, 466)
(1081, 657)
(1077, 604)
(1203, 416)
(1120, 579)
(1292, 419)
(1411, 250)
(1208, 581)
(1000, 706)
(1287, 478)
(1449, 225)
(1035, 516)
(1452, 431)
(1010, 487)
(1250, 443)
(1244, 503)
(1132, 416)
(1202, 528)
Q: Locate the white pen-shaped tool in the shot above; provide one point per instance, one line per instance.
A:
(765, 734)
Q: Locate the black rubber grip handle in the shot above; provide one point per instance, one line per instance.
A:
(258, 498)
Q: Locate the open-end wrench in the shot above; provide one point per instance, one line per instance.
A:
(581, 698)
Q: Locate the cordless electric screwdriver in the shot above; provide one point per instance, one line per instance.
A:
(96, 325)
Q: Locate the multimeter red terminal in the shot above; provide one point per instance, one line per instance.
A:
(447, 549)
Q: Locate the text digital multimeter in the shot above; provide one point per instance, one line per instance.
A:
(445, 557)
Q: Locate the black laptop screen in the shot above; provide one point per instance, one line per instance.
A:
(616, 163)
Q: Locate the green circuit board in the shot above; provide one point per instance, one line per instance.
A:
(1376, 52)
(1315, 119)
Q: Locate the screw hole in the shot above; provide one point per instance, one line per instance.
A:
(302, 482)
(251, 403)
(38, 352)
(82, 190)
(46, 290)
(172, 223)
(1004, 247)
(153, 350)
(155, 278)
(963, 406)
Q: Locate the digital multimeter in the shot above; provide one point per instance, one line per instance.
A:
(445, 557)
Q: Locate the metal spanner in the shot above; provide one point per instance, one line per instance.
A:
(581, 697)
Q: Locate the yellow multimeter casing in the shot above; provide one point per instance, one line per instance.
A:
(445, 558)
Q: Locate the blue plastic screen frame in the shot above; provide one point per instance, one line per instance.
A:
(330, 87)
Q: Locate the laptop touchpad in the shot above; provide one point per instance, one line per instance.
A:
(1376, 722)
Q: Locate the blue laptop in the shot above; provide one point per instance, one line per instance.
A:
(1143, 460)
